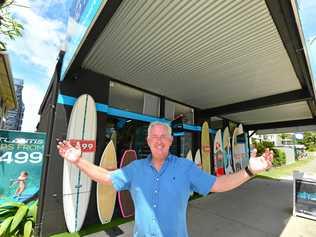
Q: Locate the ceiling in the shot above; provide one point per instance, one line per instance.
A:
(205, 54)
(295, 111)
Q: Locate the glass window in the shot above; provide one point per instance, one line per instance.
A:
(186, 143)
(173, 110)
(134, 100)
(130, 134)
(217, 123)
(151, 105)
(125, 97)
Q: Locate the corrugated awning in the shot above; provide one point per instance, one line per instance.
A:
(207, 54)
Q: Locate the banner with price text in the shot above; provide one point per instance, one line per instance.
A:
(21, 159)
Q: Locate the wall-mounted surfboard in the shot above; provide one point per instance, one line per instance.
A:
(114, 138)
(238, 149)
(218, 154)
(124, 197)
(189, 155)
(76, 185)
(205, 148)
(197, 159)
(228, 162)
(245, 156)
(106, 194)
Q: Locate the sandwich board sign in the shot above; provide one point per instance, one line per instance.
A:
(304, 195)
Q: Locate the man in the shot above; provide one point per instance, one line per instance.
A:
(161, 184)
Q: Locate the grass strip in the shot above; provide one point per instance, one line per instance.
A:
(277, 173)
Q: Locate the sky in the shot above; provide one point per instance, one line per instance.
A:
(33, 57)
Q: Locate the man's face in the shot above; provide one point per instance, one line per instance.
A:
(159, 141)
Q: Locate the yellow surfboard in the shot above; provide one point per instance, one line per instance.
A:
(106, 194)
(205, 148)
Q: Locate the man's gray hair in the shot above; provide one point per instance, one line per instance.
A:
(152, 124)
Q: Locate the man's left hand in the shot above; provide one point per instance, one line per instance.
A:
(261, 163)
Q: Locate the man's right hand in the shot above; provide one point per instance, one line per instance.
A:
(69, 152)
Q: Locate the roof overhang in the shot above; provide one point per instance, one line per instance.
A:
(242, 60)
(294, 129)
(7, 90)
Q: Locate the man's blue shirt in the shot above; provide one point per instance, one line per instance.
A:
(161, 198)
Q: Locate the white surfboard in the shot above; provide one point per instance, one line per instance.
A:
(189, 155)
(76, 185)
(245, 149)
(197, 159)
(227, 152)
(237, 149)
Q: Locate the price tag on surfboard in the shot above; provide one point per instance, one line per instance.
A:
(86, 145)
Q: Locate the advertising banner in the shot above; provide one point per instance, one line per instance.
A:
(304, 194)
(305, 197)
(21, 159)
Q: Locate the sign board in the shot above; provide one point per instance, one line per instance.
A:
(304, 195)
(21, 159)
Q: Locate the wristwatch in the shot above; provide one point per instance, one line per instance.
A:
(249, 172)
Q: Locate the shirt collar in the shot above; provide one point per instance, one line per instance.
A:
(149, 158)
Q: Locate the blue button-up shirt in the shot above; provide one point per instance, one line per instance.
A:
(161, 197)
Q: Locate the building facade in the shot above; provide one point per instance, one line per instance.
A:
(8, 100)
(14, 117)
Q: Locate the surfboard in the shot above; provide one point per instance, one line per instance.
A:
(114, 138)
(189, 155)
(205, 148)
(237, 150)
(243, 147)
(197, 159)
(218, 154)
(124, 197)
(76, 185)
(228, 162)
(106, 194)
(245, 159)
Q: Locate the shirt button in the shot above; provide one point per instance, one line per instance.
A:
(156, 191)
(157, 179)
(155, 206)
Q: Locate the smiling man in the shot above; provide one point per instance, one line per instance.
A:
(161, 184)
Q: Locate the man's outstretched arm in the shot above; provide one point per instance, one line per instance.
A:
(73, 155)
(256, 165)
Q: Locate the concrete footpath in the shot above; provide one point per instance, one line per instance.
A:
(259, 208)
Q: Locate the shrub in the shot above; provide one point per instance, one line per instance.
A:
(279, 155)
(17, 219)
(279, 158)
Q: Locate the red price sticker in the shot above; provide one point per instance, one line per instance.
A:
(86, 145)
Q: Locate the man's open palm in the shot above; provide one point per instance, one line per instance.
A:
(69, 152)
